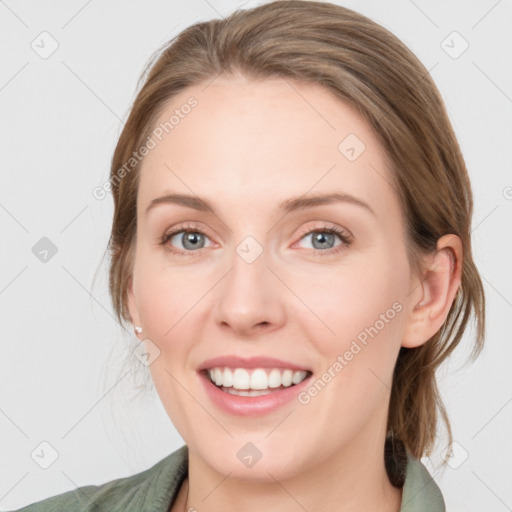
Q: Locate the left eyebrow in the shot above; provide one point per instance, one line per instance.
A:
(298, 203)
(287, 206)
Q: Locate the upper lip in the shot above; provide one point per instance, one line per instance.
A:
(249, 362)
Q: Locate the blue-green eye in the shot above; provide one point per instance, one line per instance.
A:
(190, 237)
(325, 238)
(193, 239)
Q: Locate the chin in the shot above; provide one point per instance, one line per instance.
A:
(260, 460)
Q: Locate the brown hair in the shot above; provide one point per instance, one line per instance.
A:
(374, 72)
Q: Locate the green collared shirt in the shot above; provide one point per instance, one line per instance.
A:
(156, 488)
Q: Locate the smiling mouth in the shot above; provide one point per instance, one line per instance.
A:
(254, 382)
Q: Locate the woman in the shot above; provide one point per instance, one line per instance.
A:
(291, 243)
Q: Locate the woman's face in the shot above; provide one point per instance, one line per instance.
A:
(250, 288)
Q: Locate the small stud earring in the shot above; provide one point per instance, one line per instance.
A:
(138, 329)
(422, 303)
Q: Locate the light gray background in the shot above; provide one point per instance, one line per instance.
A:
(62, 378)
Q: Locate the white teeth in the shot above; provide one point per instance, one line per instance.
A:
(241, 379)
(227, 379)
(298, 377)
(218, 377)
(258, 379)
(251, 392)
(287, 378)
(274, 378)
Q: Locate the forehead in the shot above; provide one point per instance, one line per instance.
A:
(259, 142)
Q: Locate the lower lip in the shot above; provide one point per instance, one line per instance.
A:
(251, 405)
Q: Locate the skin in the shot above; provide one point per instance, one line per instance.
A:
(246, 147)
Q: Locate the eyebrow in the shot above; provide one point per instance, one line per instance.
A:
(287, 206)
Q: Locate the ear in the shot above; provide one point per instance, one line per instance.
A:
(439, 284)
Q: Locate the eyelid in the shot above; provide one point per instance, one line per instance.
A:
(189, 226)
(343, 234)
(326, 226)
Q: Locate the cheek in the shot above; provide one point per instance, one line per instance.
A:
(364, 314)
(176, 402)
(166, 295)
(354, 302)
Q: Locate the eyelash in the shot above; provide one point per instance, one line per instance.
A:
(344, 237)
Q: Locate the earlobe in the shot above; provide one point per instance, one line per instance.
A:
(440, 283)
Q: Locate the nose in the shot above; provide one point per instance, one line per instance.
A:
(250, 298)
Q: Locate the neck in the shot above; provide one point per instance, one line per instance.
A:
(352, 481)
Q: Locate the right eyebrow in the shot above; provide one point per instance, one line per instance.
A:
(294, 203)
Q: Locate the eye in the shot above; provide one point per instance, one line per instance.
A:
(324, 237)
(190, 237)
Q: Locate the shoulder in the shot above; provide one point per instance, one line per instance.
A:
(420, 491)
(152, 490)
